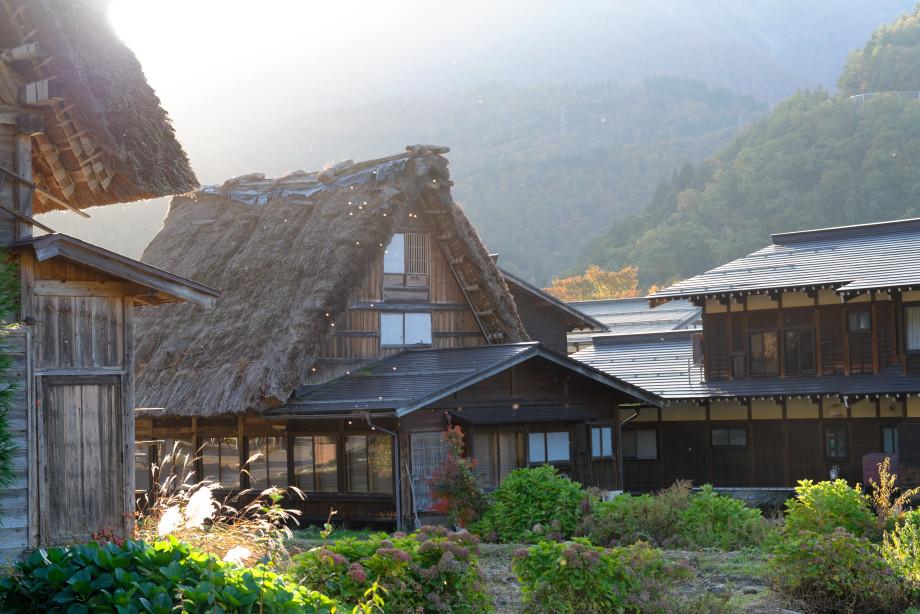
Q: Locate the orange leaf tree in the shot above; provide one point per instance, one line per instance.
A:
(597, 284)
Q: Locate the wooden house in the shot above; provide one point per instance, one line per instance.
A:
(79, 127)
(360, 312)
(809, 360)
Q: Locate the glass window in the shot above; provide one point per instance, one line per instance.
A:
(220, 461)
(176, 462)
(549, 447)
(799, 351)
(890, 439)
(764, 353)
(640, 444)
(315, 468)
(403, 329)
(601, 441)
(270, 467)
(142, 461)
(368, 464)
(428, 451)
(912, 327)
(729, 438)
(497, 454)
(835, 442)
(859, 321)
(394, 258)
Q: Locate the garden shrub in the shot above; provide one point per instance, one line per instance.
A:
(901, 547)
(577, 577)
(715, 521)
(825, 506)
(628, 519)
(454, 488)
(158, 578)
(432, 570)
(835, 572)
(532, 504)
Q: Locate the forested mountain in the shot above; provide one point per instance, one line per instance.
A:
(815, 161)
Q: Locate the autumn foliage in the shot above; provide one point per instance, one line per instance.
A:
(597, 284)
(453, 485)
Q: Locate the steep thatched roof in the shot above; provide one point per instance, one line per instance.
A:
(105, 138)
(288, 263)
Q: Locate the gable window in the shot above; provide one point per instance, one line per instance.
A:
(764, 350)
(270, 467)
(402, 329)
(315, 467)
(407, 253)
(601, 441)
(729, 438)
(369, 464)
(551, 447)
(799, 351)
(859, 321)
(640, 444)
(835, 442)
(497, 454)
(912, 327)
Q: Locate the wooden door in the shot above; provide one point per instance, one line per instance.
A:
(80, 458)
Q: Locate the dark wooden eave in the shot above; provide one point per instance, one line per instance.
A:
(162, 287)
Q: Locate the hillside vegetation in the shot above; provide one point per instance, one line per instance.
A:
(815, 161)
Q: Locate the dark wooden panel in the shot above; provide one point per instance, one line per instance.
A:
(718, 352)
(642, 476)
(886, 334)
(684, 452)
(861, 353)
(731, 467)
(769, 451)
(806, 451)
(832, 342)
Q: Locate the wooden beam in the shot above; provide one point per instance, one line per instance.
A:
(43, 191)
(22, 52)
(41, 92)
(23, 189)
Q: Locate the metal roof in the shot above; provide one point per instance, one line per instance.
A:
(633, 315)
(850, 259)
(663, 363)
(413, 378)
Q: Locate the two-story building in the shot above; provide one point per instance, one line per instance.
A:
(360, 314)
(809, 359)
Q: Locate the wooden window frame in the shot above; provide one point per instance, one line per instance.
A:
(402, 315)
(728, 435)
(266, 461)
(893, 430)
(764, 373)
(414, 254)
(370, 467)
(907, 348)
(626, 434)
(546, 434)
(860, 329)
(840, 429)
(597, 435)
(494, 481)
(797, 330)
(238, 483)
(313, 475)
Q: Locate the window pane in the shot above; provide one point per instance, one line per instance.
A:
(912, 326)
(258, 467)
(537, 446)
(646, 444)
(737, 437)
(628, 441)
(770, 353)
(177, 458)
(381, 464)
(890, 439)
(791, 352)
(394, 257)
(859, 321)
(418, 328)
(509, 450)
(210, 459)
(835, 442)
(391, 329)
(303, 463)
(428, 451)
(416, 253)
(275, 451)
(595, 441)
(229, 462)
(484, 451)
(807, 350)
(607, 440)
(356, 464)
(720, 437)
(755, 342)
(142, 466)
(325, 464)
(557, 446)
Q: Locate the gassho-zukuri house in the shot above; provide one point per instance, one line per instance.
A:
(808, 361)
(360, 313)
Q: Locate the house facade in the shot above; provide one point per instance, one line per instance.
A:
(361, 315)
(807, 362)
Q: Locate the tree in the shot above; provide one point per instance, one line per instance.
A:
(597, 284)
(9, 296)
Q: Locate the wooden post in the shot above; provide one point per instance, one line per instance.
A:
(127, 410)
(23, 192)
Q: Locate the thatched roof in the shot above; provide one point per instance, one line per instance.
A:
(105, 138)
(288, 263)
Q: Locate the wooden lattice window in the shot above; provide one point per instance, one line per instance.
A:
(407, 253)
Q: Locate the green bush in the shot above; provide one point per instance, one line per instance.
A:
(825, 506)
(835, 572)
(726, 523)
(577, 577)
(432, 570)
(157, 578)
(533, 504)
(901, 547)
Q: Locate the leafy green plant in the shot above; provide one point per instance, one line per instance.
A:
(826, 506)
(836, 572)
(901, 548)
(454, 488)
(575, 576)
(431, 570)
(628, 519)
(534, 504)
(9, 296)
(157, 578)
(726, 523)
(886, 501)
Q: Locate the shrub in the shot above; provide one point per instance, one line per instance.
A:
(901, 547)
(575, 576)
(159, 578)
(532, 504)
(835, 572)
(628, 519)
(432, 570)
(825, 506)
(454, 488)
(886, 501)
(726, 523)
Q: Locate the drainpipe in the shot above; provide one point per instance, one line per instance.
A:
(399, 522)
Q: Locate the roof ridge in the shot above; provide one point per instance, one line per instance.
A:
(839, 232)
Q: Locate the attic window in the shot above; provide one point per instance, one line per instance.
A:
(407, 254)
(402, 329)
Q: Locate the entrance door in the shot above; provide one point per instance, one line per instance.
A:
(80, 457)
